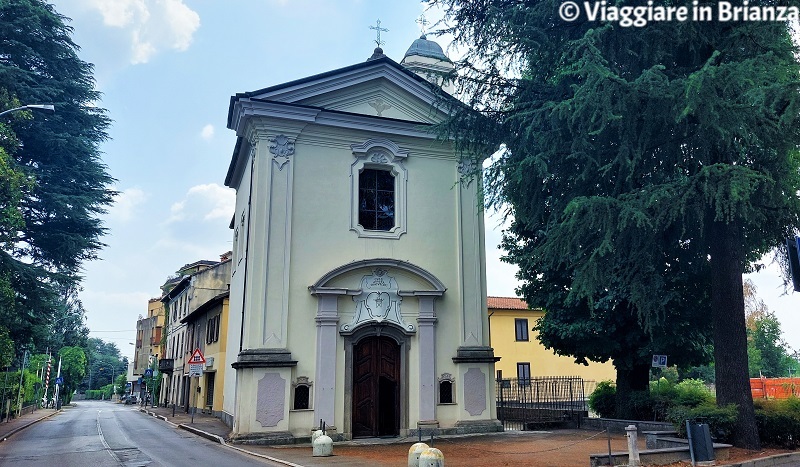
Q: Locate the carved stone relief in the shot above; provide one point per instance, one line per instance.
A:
(377, 303)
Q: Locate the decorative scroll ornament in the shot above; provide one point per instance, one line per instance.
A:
(377, 303)
(282, 148)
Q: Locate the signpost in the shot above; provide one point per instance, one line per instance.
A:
(196, 362)
(659, 361)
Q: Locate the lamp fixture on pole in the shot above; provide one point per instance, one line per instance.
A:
(46, 107)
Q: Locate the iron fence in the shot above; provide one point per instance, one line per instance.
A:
(525, 404)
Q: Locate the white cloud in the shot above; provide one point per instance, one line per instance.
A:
(207, 132)
(125, 204)
(209, 202)
(153, 25)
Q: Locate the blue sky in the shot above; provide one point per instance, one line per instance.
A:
(167, 69)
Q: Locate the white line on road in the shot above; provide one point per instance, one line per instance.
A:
(103, 440)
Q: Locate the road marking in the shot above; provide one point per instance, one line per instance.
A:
(103, 440)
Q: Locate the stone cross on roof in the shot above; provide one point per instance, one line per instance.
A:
(378, 29)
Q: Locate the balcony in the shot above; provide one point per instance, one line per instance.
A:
(166, 365)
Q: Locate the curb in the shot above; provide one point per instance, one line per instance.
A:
(18, 429)
(204, 434)
(160, 417)
(263, 456)
(771, 461)
(219, 439)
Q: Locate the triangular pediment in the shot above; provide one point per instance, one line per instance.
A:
(381, 88)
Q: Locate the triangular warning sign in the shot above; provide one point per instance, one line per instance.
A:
(197, 357)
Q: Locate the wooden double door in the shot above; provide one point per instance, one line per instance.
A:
(376, 387)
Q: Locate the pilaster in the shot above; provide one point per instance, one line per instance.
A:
(427, 359)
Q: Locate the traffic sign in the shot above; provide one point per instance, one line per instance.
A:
(197, 357)
(59, 380)
(659, 361)
(148, 372)
(195, 369)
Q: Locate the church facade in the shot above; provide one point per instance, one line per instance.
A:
(358, 292)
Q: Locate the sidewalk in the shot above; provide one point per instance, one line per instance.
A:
(557, 448)
(7, 429)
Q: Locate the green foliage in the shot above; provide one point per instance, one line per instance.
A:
(104, 393)
(779, 422)
(120, 383)
(705, 373)
(105, 363)
(6, 347)
(692, 393)
(53, 184)
(721, 420)
(73, 369)
(602, 400)
(768, 354)
(644, 170)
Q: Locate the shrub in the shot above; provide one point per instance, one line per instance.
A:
(602, 401)
(720, 419)
(663, 394)
(642, 405)
(779, 422)
(692, 393)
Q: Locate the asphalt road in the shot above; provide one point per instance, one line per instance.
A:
(97, 433)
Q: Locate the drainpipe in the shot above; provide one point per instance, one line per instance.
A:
(489, 320)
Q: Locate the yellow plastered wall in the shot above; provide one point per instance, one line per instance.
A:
(543, 362)
(215, 350)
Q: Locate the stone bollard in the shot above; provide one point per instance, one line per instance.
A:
(323, 446)
(633, 448)
(431, 457)
(413, 453)
(314, 435)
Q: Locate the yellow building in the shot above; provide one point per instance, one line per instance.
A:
(148, 337)
(522, 355)
(208, 325)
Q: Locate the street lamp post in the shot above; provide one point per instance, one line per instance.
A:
(45, 107)
(21, 374)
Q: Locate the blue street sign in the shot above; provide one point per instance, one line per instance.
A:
(59, 380)
(148, 372)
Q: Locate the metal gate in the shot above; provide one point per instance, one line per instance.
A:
(524, 404)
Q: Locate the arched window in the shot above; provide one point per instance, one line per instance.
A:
(447, 389)
(301, 394)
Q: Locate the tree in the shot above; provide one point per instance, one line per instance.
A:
(64, 185)
(73, 369)
(105, 363)
(120, 384)
(615, 332)
(624, 146)
(767, 353)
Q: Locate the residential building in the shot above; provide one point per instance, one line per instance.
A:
(521, 354)
(148, 337)
(358, 280)
(198, 283)
(208, 323)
